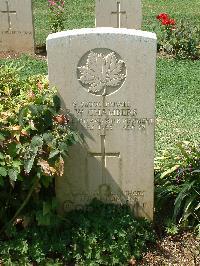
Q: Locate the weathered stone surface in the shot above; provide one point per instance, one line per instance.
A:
(16, 26)
(119, 13)
(106, 79)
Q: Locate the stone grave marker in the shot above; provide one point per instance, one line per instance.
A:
(119, 13)
(16, 26)
(106, 80)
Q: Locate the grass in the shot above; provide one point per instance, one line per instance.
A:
(81, 14)
(178, 105)
(178, 90)
(31, 65)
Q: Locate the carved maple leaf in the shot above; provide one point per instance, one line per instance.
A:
(101, 71)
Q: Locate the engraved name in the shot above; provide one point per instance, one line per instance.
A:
(107, 115)
(17, 32)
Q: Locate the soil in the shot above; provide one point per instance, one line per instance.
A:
(40, 53)
(179, 250)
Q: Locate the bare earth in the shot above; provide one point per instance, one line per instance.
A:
(181, 250)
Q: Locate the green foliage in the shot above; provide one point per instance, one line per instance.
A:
(34, 138)
(56, 15)
(107, 235)
(181, 40)
(99, 235)
(178, 183)
(31, 66)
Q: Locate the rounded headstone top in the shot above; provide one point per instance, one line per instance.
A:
(103, 30)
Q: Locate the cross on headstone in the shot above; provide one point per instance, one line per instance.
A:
(118, 13)
(8, 11)
(103, 154)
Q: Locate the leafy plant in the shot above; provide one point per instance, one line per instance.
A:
(178, 183)
(99, 235)
(179, 39)
(56, 15)
(34, 139)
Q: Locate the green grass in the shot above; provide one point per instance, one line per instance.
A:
(80, 14)
(31, 66)
(178, 102)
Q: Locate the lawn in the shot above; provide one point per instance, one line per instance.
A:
(80, 14)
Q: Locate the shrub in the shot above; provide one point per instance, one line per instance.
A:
(34, 138)
(179, 39)
(102, 234)
(56, 15)
(178, 184)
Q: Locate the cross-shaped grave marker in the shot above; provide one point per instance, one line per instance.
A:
(118, 13)
(103, 154)
(8, 12)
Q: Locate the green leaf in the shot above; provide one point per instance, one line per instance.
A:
(46, 208)
(23, 112)
(12, 149)
(28, 164)
(180, 198)
(169, 171)
(53, 154)
(37, 141)
(2, 138)
(3, 171)
(1, 156)
(41, 219)
(48, 137)
(183, 151)
(63, 146)
(13, 174)
(34, 109)
(46, 181)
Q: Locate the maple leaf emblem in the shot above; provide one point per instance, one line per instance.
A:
(102, 71)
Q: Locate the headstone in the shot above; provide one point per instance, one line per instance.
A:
(119, 13)
(106, 80)
(16, 26)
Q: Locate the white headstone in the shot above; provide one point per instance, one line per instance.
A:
(119, 13)
(106, 80)
(16, 26)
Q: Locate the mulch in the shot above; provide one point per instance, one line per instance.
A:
(179, 250)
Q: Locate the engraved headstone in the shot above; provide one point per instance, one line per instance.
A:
(119, 13)
(16, 26)
(106, 80)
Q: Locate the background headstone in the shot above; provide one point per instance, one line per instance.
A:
(119, 13)
(106, 79)
(16, 26)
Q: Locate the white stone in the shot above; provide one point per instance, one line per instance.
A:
(16, 26)
(119, 13)
(106, 80)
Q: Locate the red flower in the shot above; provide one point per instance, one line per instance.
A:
(162, 16)
(168, 22)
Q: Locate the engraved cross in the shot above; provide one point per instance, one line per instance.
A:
(8, 12)
(118, 13)
(103, 154)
